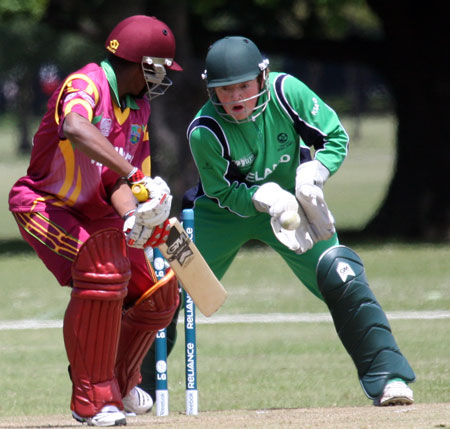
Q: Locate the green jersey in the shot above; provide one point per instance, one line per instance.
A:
(233, 159)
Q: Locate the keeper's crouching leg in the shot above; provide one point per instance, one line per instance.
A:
(140, 325)
(100, 275)
(360, 321)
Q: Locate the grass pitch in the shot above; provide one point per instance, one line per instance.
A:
(240, 366)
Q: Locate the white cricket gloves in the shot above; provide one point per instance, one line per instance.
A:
(309, 181)
(316, 221)
(156, 209)
(271, 198)
(145, 226)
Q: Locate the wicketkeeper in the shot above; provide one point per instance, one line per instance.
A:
(265, 145)
(76, 209)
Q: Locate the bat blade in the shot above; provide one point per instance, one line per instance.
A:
(192, 271)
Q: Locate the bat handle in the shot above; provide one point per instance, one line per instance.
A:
(140, 192)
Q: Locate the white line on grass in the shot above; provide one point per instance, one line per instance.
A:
(8, 325)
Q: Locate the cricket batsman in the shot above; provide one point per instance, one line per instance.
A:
(265, 145)
(76, 209)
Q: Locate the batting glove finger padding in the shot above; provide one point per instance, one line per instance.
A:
(154, 211)
(159, 235)
(136, 234)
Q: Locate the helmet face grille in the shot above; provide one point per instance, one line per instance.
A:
(233, 60)
(155, 76)
(252, 114)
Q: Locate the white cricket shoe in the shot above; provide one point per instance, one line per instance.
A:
(109, 415)
(396, 392)
(137, 401)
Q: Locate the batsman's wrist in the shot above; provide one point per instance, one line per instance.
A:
(128, 214)
(135, 176)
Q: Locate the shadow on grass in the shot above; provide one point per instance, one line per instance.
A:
(15, 246)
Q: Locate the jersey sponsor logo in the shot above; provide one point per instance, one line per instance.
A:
(122, 153)
(135, 134)
(258, 177)
(105, 126)
(245, 161)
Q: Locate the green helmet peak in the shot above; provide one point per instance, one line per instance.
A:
(231, 60)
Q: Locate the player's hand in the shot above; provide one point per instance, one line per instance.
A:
(309, 181)
(298, 240)
(140, 236)
(274, 200)
(271, 198)
(154, 186)
(156, 208)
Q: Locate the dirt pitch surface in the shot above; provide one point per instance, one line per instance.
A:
(420, 416)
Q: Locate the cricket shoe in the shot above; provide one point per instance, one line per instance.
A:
(137, 401)
(396, 392)
(109, 415)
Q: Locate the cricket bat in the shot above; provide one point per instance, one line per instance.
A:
(188, 264)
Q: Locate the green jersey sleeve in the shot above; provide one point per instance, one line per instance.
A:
(317, 123)
(220, 179)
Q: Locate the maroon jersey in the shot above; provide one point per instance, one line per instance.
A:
(62, 176)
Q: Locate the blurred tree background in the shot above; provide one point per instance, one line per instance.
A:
(365, 55)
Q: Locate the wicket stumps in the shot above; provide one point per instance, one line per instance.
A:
(189, 332)
(162, 393)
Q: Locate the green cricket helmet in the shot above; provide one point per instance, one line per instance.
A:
(231, 60)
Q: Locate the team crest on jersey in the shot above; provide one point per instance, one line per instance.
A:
(282, 137)
(135, 134)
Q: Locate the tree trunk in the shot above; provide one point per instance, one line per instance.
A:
(417, 205)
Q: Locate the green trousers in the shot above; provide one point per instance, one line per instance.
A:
(219, 235)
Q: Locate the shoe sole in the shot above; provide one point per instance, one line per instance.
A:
(396, 401)
(119, 422)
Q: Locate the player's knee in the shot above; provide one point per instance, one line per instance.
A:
(337, 267)
(155, 312)
(102, 268)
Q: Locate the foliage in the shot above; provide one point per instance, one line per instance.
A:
(289, 18)
(34, 9)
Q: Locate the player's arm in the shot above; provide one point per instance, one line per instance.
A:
(320, 127)
(322, 130)
(88, 139)
(214, 171)
(122, 198)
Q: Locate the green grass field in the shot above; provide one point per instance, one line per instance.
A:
(247, 366)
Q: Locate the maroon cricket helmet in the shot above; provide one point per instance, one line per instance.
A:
(143, 36)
